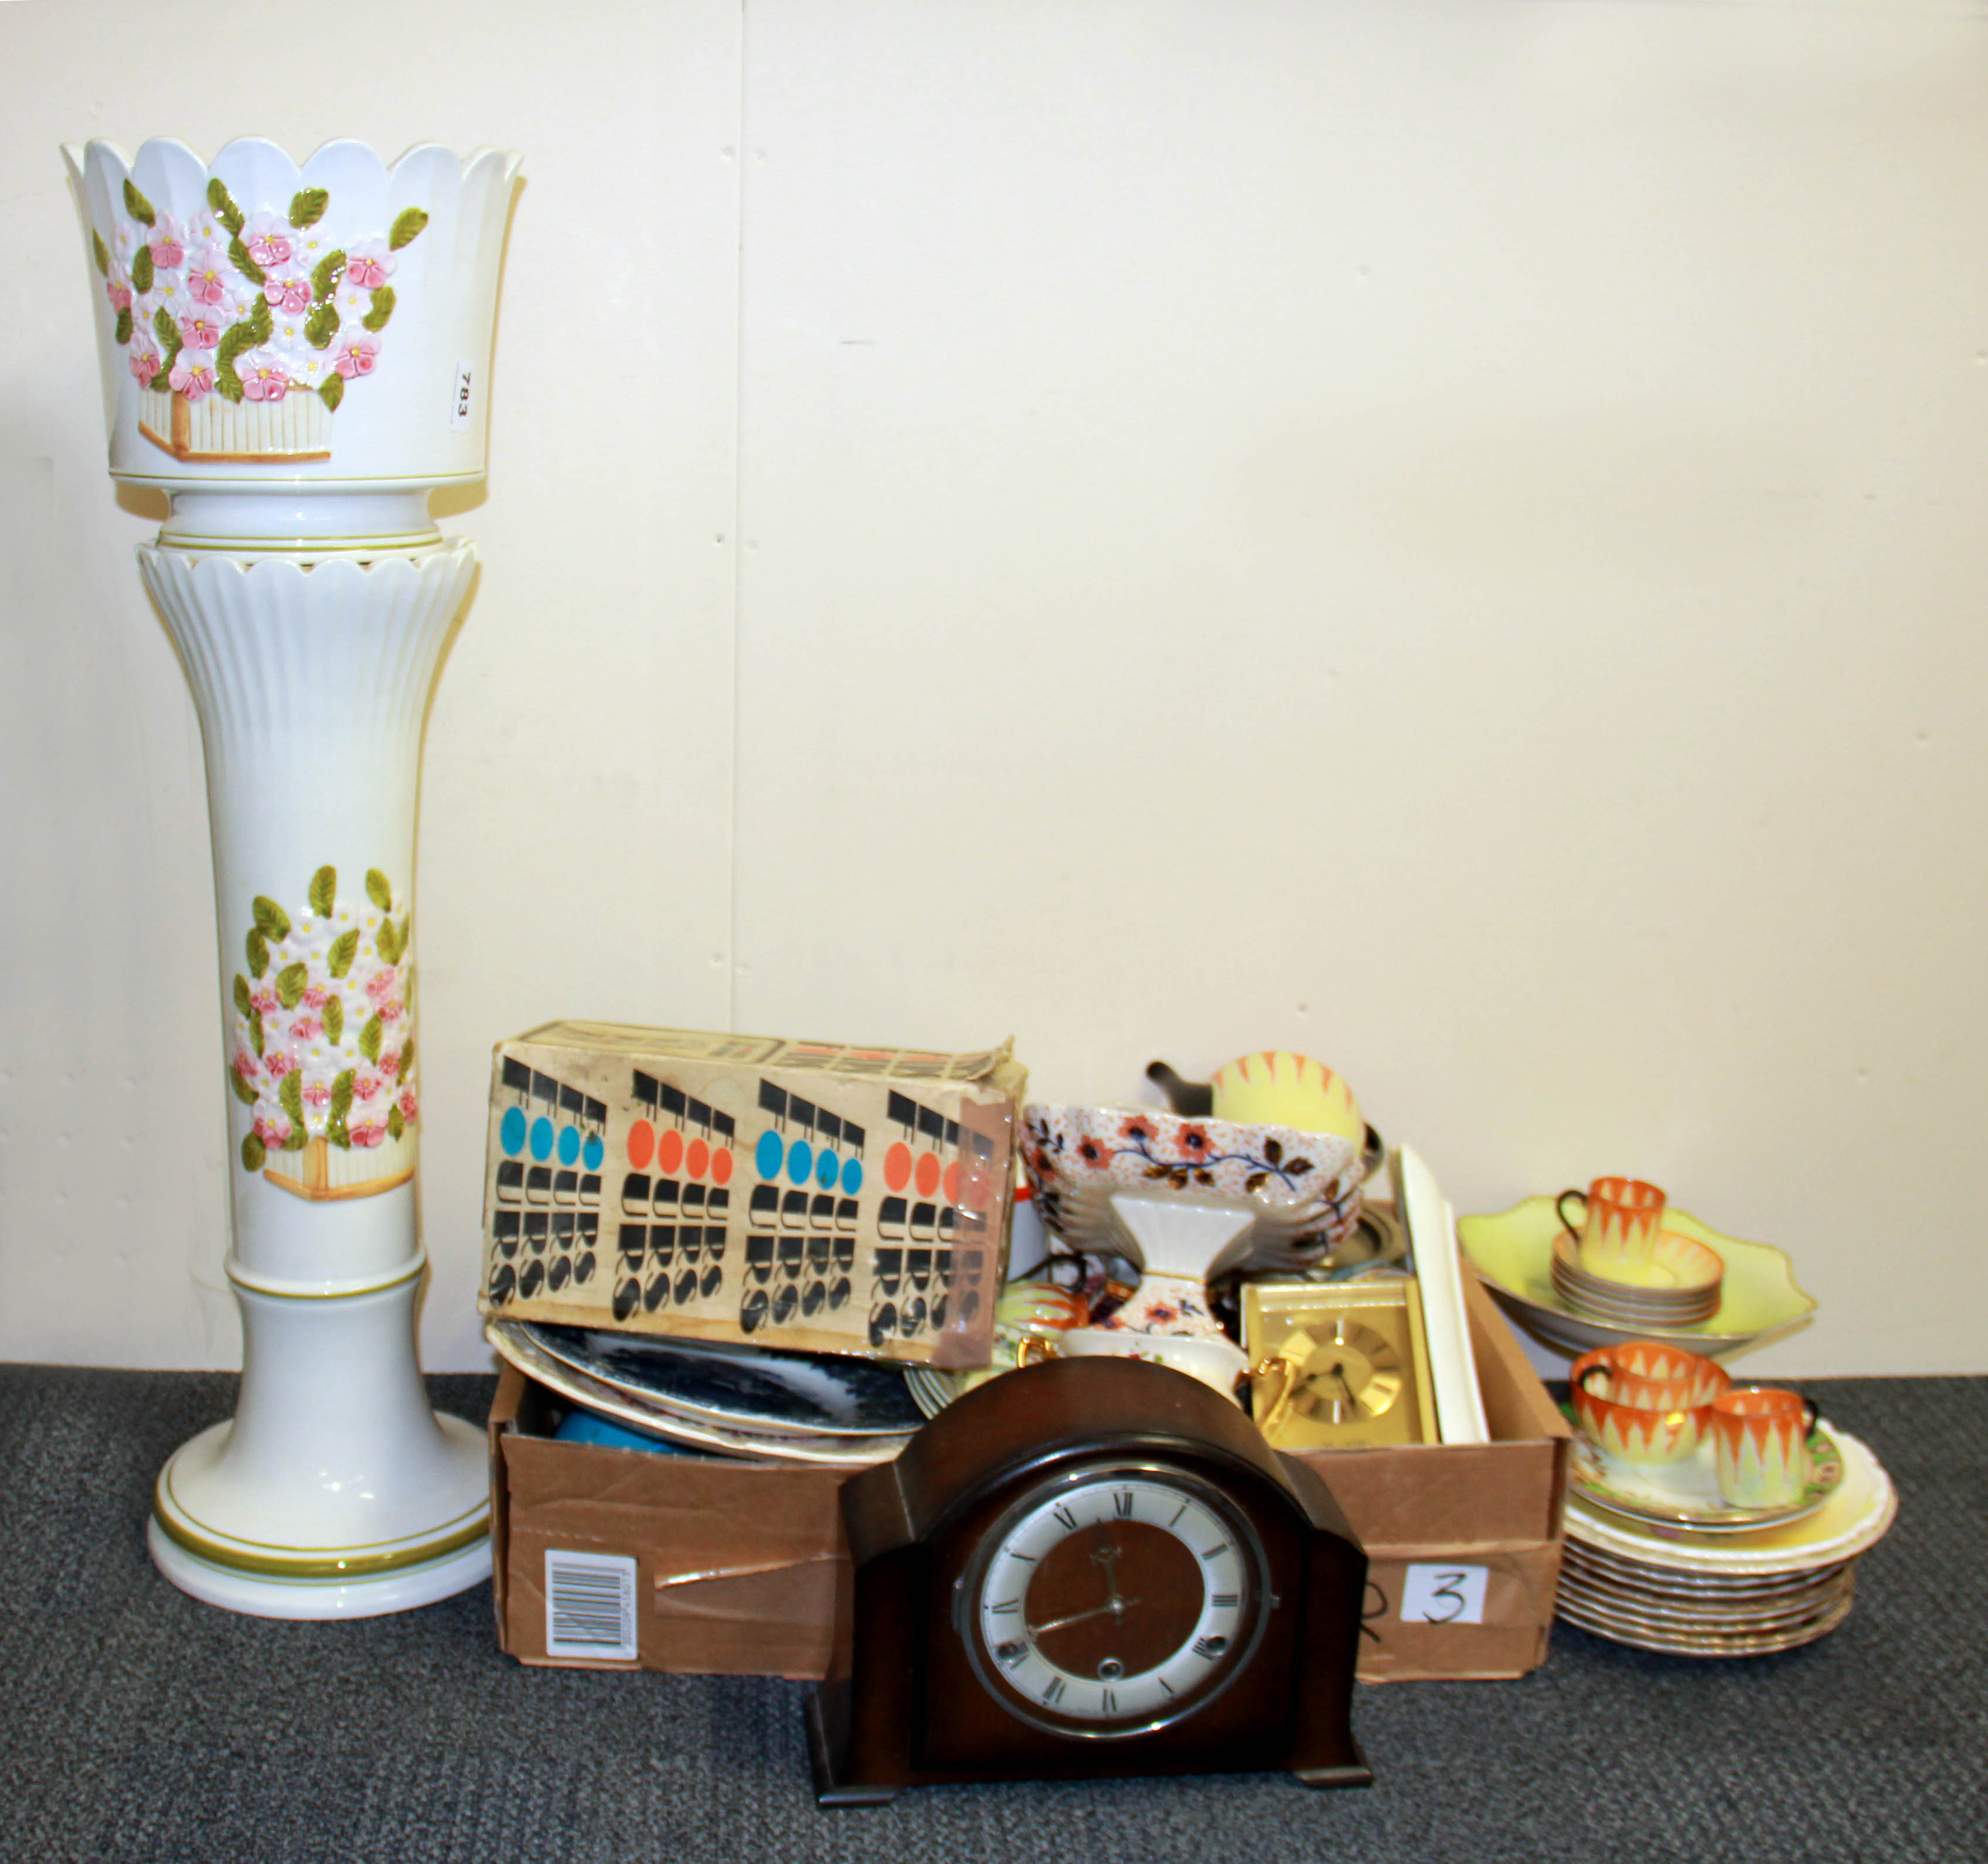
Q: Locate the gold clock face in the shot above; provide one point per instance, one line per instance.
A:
(1349, 1373)
(1342, 1365)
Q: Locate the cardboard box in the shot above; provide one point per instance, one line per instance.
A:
(735, 1565)
(803, 1195)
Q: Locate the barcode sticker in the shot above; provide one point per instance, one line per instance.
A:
(589, 1604)
(1444, 1595)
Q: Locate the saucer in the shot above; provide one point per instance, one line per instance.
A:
(1682, 1269)
(1853, 1517)
(1686, 1493)
(1513, 1252)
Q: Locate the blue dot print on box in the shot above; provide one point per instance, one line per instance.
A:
(511, 1132)
(770, 1156)
(852, 1177)
(824, 1169)
(594, 1152)
(800, 1161)
(568, 1145)
(542, 1139)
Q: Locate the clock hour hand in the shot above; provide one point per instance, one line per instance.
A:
(1115, 1606)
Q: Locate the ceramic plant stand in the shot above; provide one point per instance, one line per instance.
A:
(297, 357)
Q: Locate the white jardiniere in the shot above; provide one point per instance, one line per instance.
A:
(297, 356)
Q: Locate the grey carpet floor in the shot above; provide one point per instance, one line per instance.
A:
(137, 1724)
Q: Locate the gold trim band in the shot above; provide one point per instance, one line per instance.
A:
(319, 1566)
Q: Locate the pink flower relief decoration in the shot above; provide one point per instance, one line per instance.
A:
(357, 356)
(262, 377)
(379, 986)
(366, 1087)
(200, 330)
(317, 1094)
(263, 1002)
(314, 997)
(168, 243)
(278, 1063)
(389, 1063)
(410, 1107)
(118, 287)
(193, 374)
(392, 1011)
(273, 1133)
(370, 1134)
(307, 1029)
(368, 264)
(270, 239)
(246, 1064)
(288, 292)
(208, 276)
(145, 365)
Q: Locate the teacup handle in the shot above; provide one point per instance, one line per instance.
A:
(1559, 1211)
(1811, 1417)
(1588, 1373)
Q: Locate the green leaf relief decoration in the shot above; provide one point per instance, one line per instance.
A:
(344, 949)
(370, 1038)
(258, 953)
(384, 301)
(243, 1092)
(241, 1002)
(290, 1096)
(271, 920)
(298, 1139)
(291, 981)
(406, 1058)
(100, 252)
(331, 392)
(238, 254)
(335, 1131)
(321, 326)
(388, 943)
(123, 332)
(225, 209)
(307, 207)
(255, 1032)
(142, 273)
(324, 281)
(378, 891)
(260, 322)
(341, 1094)
(396, 1126)
(138, 206)
(334, 1020)
(253, 1152)
(323, 891)
(165, 329)
(407, 228)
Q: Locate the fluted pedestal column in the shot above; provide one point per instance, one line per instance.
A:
(334, 1491)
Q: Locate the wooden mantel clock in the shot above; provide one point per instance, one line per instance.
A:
(1089, 1567)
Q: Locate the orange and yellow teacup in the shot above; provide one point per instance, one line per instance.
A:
(1645, 1402)
(1760, 1435)
(1621, 1224)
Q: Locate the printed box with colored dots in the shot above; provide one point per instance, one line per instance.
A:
(803, 1195)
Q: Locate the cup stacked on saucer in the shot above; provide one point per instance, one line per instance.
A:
(1707, 1518)
(1621, 1265)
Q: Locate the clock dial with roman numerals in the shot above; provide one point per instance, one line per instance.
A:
(1113, 1600)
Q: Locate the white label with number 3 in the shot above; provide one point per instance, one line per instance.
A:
(1432, 1595)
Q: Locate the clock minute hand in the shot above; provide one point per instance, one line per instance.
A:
(1114, 1606)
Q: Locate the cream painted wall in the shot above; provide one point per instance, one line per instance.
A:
(1447, 535)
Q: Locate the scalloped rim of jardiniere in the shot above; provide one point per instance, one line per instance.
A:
(419, 423)
(1325, 1199)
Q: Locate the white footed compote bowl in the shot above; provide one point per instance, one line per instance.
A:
(1188, 1200)
(296, 356)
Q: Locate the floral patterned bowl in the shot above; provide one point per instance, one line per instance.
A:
(1301, 1189)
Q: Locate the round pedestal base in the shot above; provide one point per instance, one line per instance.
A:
(341, 1577)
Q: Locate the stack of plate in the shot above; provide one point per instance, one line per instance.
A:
(1700, 1588)
(1684, 1288)
(719, 1398)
